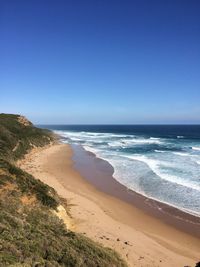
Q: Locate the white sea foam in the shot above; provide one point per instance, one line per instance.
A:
(193, 158)
(140, 141)
(90, 135)
(160, 151)
(114, 139)
(181, 154)
(155, 166)
(67, 134)
(75, 139)
(132, 142)
(115, 144)
(120, 135)
(180, 136)
(122, 177)
(196, 148)
(91, 149)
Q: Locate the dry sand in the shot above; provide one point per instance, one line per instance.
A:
(142, 240)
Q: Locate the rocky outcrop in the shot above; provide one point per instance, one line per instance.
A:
(23, 120)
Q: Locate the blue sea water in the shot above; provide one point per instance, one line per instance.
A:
(159, 161)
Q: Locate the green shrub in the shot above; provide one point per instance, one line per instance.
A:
(32, 234)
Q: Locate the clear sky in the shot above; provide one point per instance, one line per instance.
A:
(68, 61)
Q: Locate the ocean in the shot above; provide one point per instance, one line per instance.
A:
(161, 162)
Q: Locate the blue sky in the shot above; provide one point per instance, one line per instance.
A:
(101, 61)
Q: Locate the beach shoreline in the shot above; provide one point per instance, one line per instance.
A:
(140, 238)
(101, 176)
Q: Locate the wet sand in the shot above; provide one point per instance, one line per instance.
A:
(142, 239)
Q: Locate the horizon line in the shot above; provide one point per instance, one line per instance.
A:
(118, 124)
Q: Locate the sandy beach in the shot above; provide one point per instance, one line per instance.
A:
(141, 239)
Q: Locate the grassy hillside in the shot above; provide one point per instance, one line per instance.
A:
(30, 232)
(18, 135)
